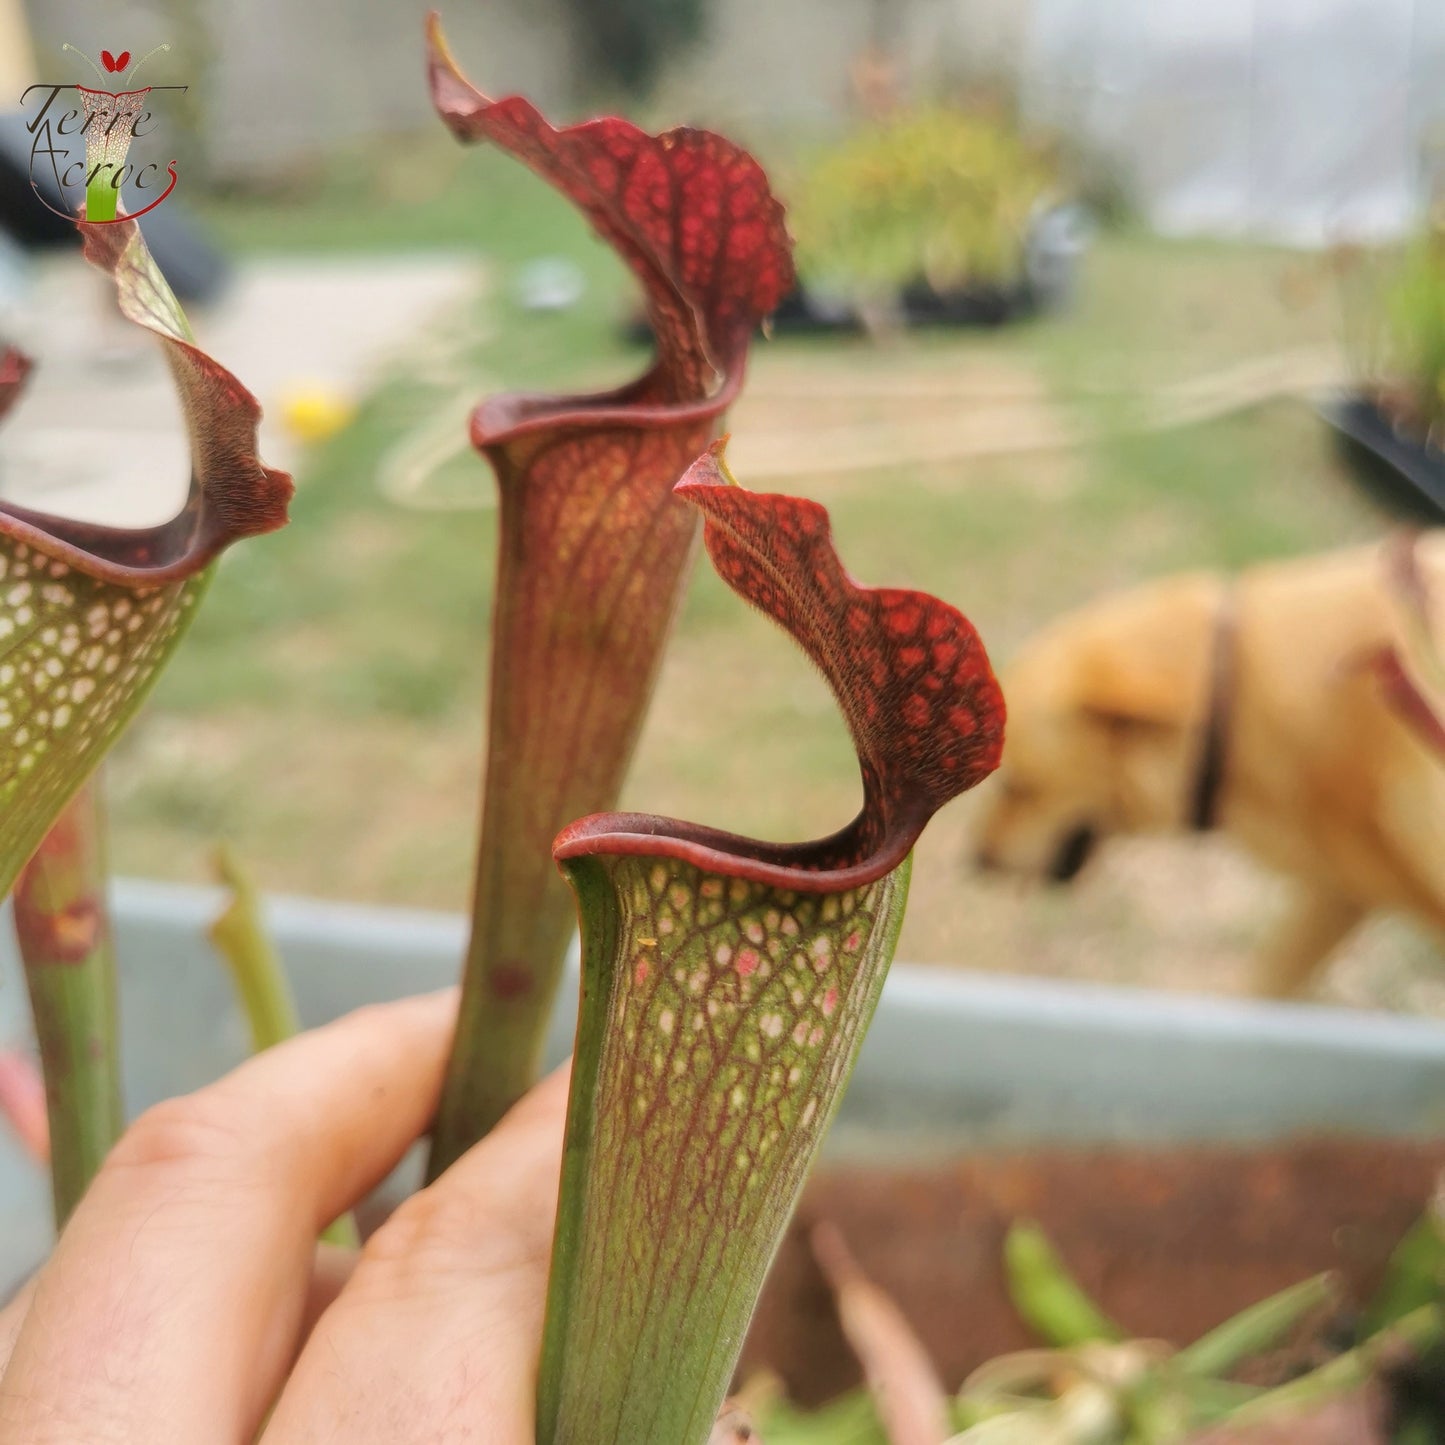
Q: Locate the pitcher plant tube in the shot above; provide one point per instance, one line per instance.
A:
(593, 546)
(726, 988)
(89, 614)
(63, 930)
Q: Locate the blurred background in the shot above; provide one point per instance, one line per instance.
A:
(1091, 293)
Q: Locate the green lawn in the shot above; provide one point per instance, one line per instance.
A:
(326, 713)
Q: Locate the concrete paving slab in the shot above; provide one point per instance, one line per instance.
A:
(98, 434)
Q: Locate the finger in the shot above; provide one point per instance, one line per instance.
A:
(437, 1334)
(332, 1268)
(171, 1307)
(11, 1318)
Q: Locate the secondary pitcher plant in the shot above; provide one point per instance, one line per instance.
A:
(727, 985)
(88, 616)
(593, 547)
(1411, 668)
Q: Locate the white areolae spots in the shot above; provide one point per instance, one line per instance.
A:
(734, 1011)
(73, 652)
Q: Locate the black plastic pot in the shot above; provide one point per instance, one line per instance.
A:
(810, 313)
(967, 305)
(1402, 471)
(1055, 241)
(806, 312)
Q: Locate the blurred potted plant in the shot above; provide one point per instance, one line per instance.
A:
(935, 215)
(1392, 421)
(1254, 1379)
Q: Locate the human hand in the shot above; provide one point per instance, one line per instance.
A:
(187, 1295)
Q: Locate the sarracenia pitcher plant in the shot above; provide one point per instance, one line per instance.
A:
(727, 983)
(88, 617)
(726, 988)
(593, 546)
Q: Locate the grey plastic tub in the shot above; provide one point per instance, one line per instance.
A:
(954, 1060)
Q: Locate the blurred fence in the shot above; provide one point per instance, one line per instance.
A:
(1305, 120)
(282, 80)
(277, 82)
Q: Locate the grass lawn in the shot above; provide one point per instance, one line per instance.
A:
(326, 713)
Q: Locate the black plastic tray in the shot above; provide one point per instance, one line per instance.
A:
(1402, 471)
(802, 313)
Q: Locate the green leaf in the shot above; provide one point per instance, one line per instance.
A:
(1258, 1328)
(1415, 1274)
(238, 934)
(263, 989)
(1046, 1295)
(851, 1419)
(1411, 1335)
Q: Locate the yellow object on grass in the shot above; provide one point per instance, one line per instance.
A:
(314, 413)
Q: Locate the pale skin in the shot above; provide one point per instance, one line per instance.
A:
(187, 1297)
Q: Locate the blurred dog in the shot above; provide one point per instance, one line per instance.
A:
(1262, 706)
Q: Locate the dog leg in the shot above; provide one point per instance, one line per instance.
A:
(1314, 925)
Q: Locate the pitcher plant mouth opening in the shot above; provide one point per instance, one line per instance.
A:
(908, 671)
(231, 493)
(90, 613)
